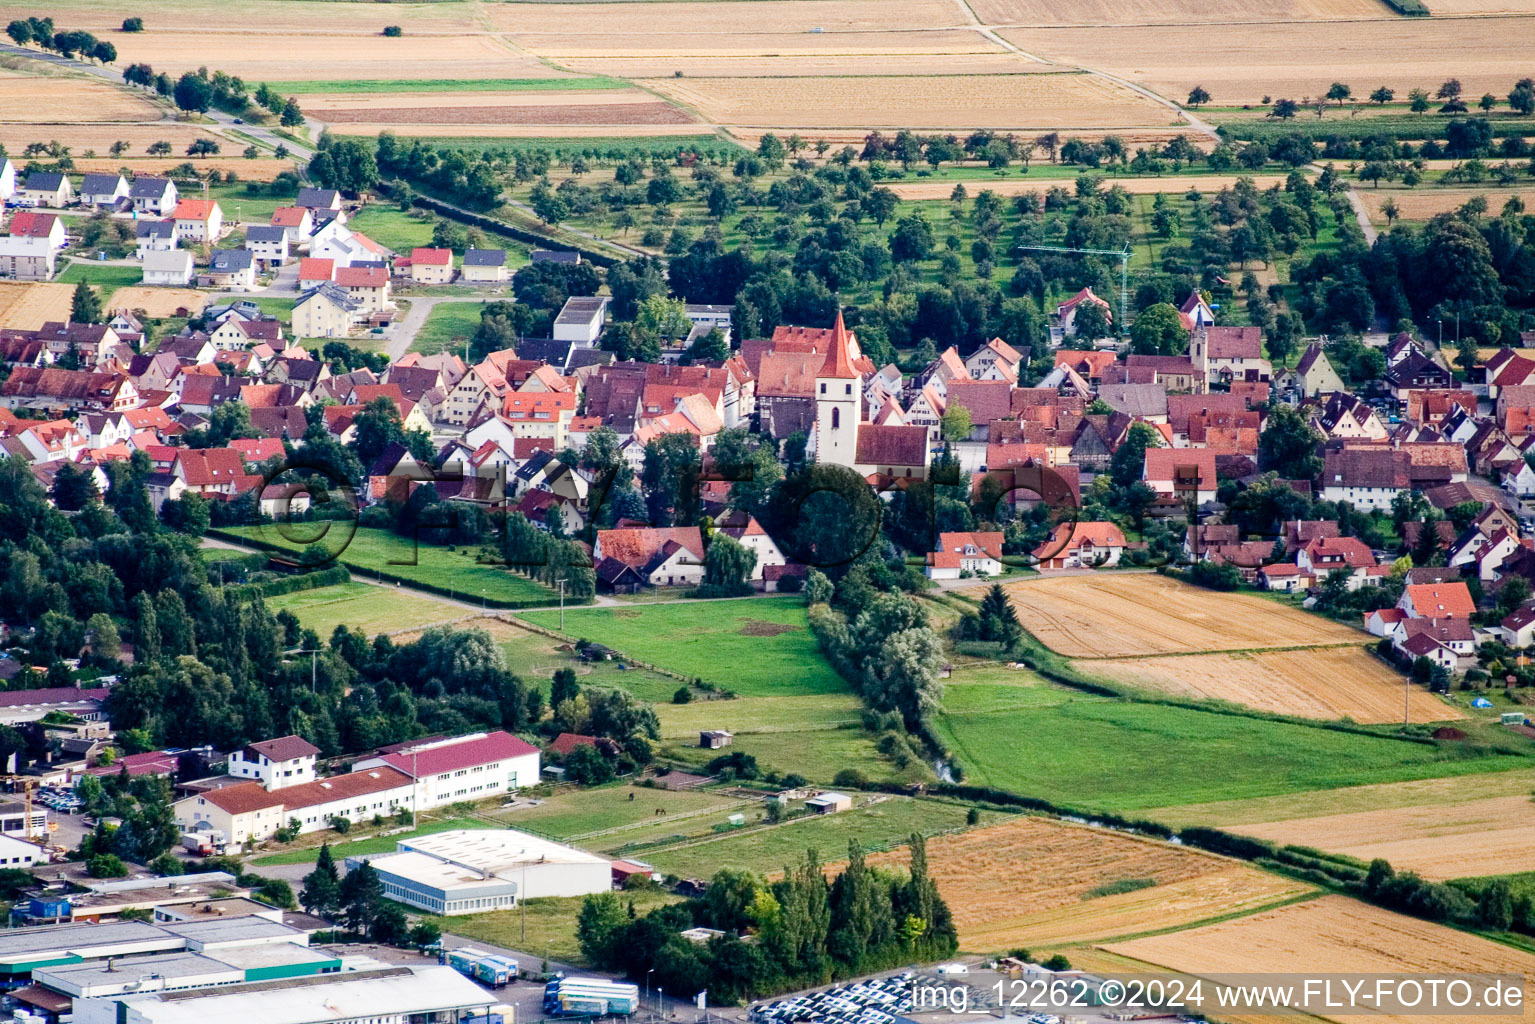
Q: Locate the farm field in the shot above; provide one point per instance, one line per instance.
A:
(551, 924)
(888, 821)
(818, 756)
(1143, 613)
(757, 647)
(1344, 934)
(260, 169)
(536, 658)
(1030, 881)
(1125, 756)
(1444, 792)
(669, 25)
(64, 97)
(28, 306)
(549, 108)
(1178, 12)
(363, 606)
(572, 815)
(158, 302)
(1243, 63)
(370, 550)
(1169, 183)
(83, 136)
(1005, 101)
(1415, 204)
(759, 714)
(1322, 682)
(1479, 837)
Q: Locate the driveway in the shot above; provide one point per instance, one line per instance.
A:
(405, 329)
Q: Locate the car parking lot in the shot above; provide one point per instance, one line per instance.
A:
(873, 1001)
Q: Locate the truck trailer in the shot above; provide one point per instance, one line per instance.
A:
(589, 997)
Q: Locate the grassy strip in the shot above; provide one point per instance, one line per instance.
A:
(365, 85)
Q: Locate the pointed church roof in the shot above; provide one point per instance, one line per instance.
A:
(839, 363)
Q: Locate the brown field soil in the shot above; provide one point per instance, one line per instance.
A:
(519, 131)
(1172, 12)
(157, 301)
(259, 169)
(1009, 101)
(271, 53)
(567, 44)
(38, 98)
(317, 16)
(323, 103)
(1244, 63)
(1136, 186)
(1324, 682)
(1480, 837)
(1105, 615)
(1381, 796)
(1414, 205)
(652, 112)
(983, 58)
(29, 306)
(1030, 880)
(99, 136)
(1335, 934)
(661, 24)
(1460, 8)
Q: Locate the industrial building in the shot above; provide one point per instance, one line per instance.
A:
(397, 995)
(450, 769)
(470, 871)
(104, 899)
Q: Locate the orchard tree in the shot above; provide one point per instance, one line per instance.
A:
(1198, 96)
(1339, 92)
(1382, 96)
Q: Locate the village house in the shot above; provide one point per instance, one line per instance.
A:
(199, 221)
(1325, 555)
(230, 269)
(171, 268)
(995, 360)
(1081, 545)
(1066, 312)
(746, 531)
(269, 245)
(103, 190)
(26, 259)
(296, 222)
(1184, 474)
(661, 557)
(72, 391)
(157, 196)
(1229, 353)
(367, 287)
(1451, 600)
(45, 188)
(431, 266)
(485, 266)
(1365, 476)
(1341, 415)
(960, 554)
(34, 224)
(154, 236)
(318, 199)
(325, 311)
(1313, 375)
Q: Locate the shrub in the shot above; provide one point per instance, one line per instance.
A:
(850, 778)
(340, 823)
(684, 695)
(133, 24)
(393, 31)
(106, 865)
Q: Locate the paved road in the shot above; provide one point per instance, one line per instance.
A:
(1362, 215)
(263, 135)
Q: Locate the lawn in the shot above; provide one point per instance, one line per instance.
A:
(342, 847)
(108, 276)
(448, 325)
(363, 606)
(887, 823)
(390, 226)
(375, 551)
(609, 807)
(818, 756)
(249, 203)
(536, 658)
(448, 85)
(549, 927)
(735, 644)
(759, 715)
(272, 305)
(1126, 756)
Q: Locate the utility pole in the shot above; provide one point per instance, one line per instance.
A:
(562, 583)
(1123, 255)
(314, 654)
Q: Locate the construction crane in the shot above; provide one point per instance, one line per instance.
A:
(1123, 255)
(27, 784)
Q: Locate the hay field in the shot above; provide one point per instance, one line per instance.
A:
(318, 16)
(1480, 837)
(1174, 184)
(551, 108)
(1415, 205)
(1339, 934)
(66, 98)
(1010, 101)
(28, 306)
(519, 131)
(1244, 63)
(1032, 880)
(259, 169)
(158, 301)
(1143, 613)
(1326, 682)
(295, 51)
(983, 58)
(671, 24)
(1177, 12)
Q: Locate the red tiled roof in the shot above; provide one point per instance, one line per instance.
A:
(290, 216)
(30, 224)
(1440, 600)
(888, 445)
(194, 209)
(313, 268)
(432, 257)
(362, 277)
(464, 753)
(565, 742)
(284, 748)
(635, 546)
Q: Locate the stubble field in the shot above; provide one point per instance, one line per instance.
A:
(1342, 934)
(1033, 881)
(1140, 614)
(1174, 12)
(35, 98)
(1480, 837)
(1421, 205)
(1327, 682)
(158, 301)
(28, 306)
(931, 190)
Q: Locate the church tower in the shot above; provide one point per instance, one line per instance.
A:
(838, 402)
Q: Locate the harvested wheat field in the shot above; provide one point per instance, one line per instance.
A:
(648, 25)
(983, 58)
(47, 98)
(327, 17)
(1412, 205)
(1115, 615)
(1322, 682)
(1136, 186)
(81, 136)
(1035, 880)
(158, 301)
(1008, 101)
(1244, 63)
(259, 169)
(261, 53)
(1480, 837)
(324, 104)
(1344, 935)
(1173, 12)
(649, 112)
(28, 306)
(1473, 8)
(570, 45)
(520, 131)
